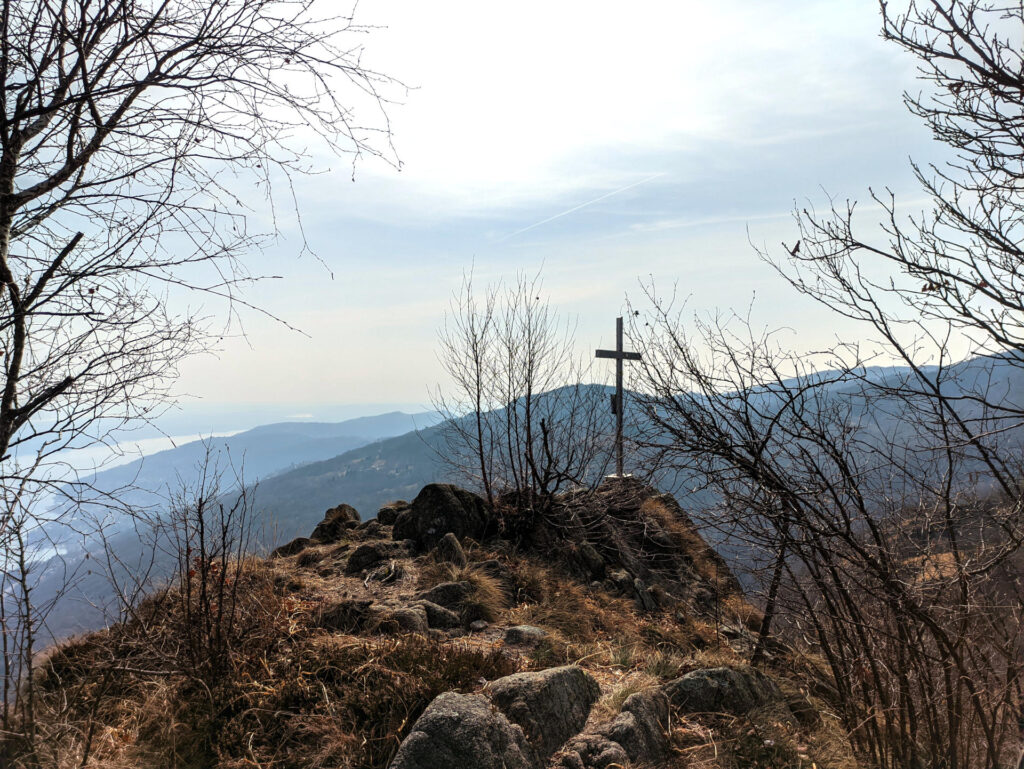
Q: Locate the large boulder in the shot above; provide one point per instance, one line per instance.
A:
(550, 705)
(438, 509)
(336, 521)
(459, 731)
(389, 512)
(722, 690)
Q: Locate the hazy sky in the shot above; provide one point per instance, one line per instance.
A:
(606, 143)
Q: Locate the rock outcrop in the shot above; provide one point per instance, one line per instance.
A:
(438, 509)
(635, 541)
(336, 521)
(374, 636)
(463, 730)
(638, 734)
(641, 727)
(372, 553)
(722, 690)
(527, 717)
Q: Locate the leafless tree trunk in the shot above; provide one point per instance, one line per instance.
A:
(132, 137)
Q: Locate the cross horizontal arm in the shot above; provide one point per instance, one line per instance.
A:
(616, 354)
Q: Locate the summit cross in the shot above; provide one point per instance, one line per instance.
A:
(618, 400)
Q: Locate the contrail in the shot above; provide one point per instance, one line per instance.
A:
(583, 205)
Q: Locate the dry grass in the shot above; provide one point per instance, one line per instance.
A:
(736, 608)
(322, 700)
(611, 703)
(487, 599)
(665, 666)
(348, 702)
(301, 691)
(567, 607)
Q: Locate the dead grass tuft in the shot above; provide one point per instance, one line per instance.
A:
(573, 610)
(610, 704)
(488, 598)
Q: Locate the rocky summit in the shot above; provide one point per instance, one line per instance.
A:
(599, 631)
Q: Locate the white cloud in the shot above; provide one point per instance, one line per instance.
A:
(536, 100)
(524, 141)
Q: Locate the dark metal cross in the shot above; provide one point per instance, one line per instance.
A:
(618, 399)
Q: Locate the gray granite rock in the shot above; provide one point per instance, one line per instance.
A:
(408, 619)
(524, 635)
(641, 727)
(447, 594)
(448, 550)
(722, 690)
(463, 731)
(371, 553)
(636, 737)
(438, 616)
(550, 705)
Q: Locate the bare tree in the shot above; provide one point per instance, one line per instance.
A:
(520, 421)
(208, 534)
(128, 128)
(129, 131)
(880, 480)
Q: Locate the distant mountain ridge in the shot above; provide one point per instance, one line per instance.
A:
(258, 452)
(289, 501)
(369, 476)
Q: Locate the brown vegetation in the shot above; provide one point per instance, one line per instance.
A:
(305, 685)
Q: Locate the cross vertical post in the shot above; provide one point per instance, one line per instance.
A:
(618, 400)
(619, 397)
